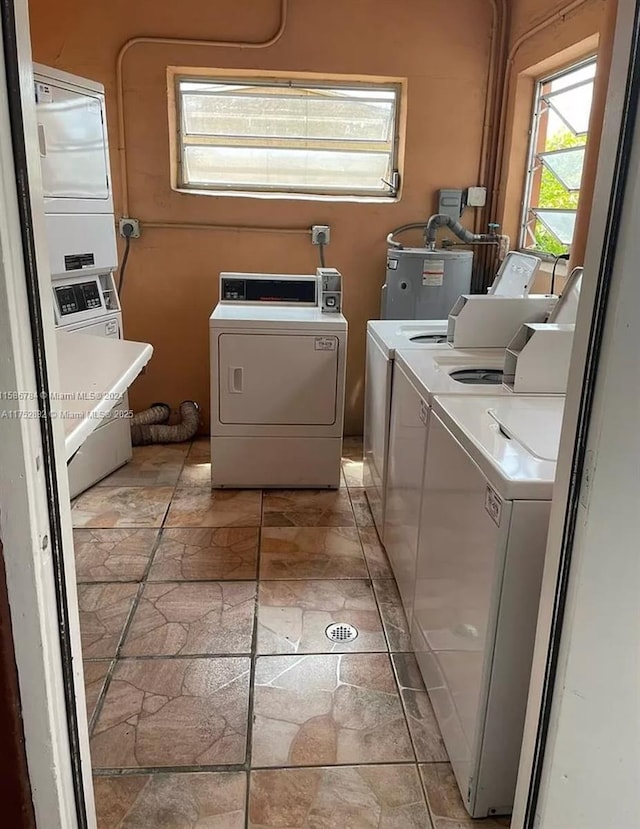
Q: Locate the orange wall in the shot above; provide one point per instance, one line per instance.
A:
(441, 47)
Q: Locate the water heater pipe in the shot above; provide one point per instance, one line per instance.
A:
(443, 220)
(413, 226)
(175, 41)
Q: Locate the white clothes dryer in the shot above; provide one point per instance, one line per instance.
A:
(277, 383)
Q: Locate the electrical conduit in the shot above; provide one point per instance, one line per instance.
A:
(504, 101)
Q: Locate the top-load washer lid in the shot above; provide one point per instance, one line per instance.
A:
(535, 428)
(431, 370)
(516, 275)
(390, 335)
(514, 440)
(566, 309)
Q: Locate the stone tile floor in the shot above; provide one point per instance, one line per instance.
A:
(214, 697)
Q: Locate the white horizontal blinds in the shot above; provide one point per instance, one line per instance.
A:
(288, 137)
(559, 137)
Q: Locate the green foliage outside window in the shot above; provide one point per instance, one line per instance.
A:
(554, 194)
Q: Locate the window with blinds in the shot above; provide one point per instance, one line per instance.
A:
(289, 137)
(559, 134)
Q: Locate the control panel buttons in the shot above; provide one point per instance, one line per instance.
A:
(78, 297)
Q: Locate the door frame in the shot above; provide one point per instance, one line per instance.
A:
(35, 521)
(35, 517)
(618, 136)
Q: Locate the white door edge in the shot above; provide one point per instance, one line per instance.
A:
(25, 527)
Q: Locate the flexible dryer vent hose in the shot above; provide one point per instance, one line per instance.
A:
(143, 435)
(158, 413)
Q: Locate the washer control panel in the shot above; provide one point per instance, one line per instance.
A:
(80, 299)
(83, 296)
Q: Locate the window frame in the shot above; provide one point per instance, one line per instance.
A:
(287, 81)
(534, 133)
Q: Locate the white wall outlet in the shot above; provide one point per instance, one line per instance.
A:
(129, 228)
(476, 196)
(320, 234)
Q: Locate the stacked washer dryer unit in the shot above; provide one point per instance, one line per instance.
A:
(385, 337)
(278, 355)
(78, 203)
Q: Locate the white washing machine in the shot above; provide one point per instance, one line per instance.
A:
(384, 337)
(277, 383)
(487, 493)
(419, 375)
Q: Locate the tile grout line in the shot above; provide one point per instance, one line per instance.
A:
(238, 767)
(97, 710)
(175, 487)
(115, 657)
(423, 787)
(367, 578)
(402, 706)
(250, 708)
(152, 556)
(379, 606)
(405, 714)
(134, 606)
(237, 655)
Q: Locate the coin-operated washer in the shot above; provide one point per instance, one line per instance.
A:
(278, 358)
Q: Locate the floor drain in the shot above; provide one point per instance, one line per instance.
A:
(341, 633)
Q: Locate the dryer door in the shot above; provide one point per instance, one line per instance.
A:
(71, 135)
(278, 379)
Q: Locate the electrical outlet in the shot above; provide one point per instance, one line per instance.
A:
(320, 234)
(129, 228)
